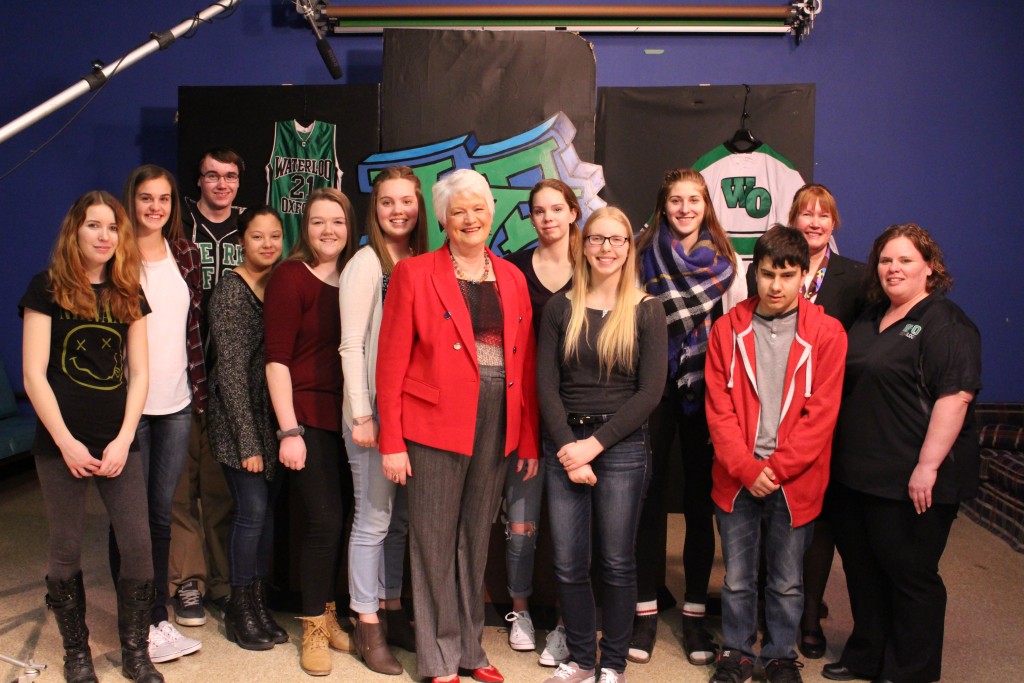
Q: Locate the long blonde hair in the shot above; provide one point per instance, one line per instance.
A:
(616, 344)
(68, 280)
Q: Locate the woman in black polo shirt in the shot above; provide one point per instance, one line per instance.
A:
(905, 455)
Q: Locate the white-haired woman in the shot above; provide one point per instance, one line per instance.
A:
(456, 395)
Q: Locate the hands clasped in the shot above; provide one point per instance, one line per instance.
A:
(576, 456)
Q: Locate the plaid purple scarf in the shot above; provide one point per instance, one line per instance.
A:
(689, 286)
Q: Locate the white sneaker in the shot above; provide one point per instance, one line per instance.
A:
(166, 643)
(571, 673)
(521, 636)
(610, 676)
(555, 649)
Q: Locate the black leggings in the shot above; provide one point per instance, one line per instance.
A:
(666, 421)
(124, 497)
(324, 489)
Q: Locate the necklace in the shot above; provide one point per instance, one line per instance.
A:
(462, 276)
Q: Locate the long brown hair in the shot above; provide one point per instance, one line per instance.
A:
(69, 281)
(710, 223)
(575, 234)
(939, 281)
(375, 234)
(616, 344)
(302, 250)
(172, 229)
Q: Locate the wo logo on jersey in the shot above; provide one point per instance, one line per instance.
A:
(741, 192)
(511, 166)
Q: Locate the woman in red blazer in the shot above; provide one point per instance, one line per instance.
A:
(456, 394)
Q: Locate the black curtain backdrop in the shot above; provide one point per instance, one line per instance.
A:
(243, 118)
(442, 84)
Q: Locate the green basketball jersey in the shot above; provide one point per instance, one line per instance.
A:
(303, 159)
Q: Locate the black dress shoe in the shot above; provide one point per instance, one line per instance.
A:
(837, 672)
(812, 644)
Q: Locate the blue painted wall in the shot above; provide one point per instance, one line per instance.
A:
(919, 116)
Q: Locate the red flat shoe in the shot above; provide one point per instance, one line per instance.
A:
(488, 674)
(439, 679)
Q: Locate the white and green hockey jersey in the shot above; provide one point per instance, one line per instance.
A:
(750, 191)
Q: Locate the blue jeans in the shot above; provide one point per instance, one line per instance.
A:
(380, 527)
(163, 446)
(251, 534)
(522, 506)
(784, 586)
(612, 508)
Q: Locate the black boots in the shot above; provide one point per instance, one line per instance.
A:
(241, 623)
(134, 608)
(266, 619)
(67, 601)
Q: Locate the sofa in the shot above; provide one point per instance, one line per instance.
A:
(16, 430)
(999, 506)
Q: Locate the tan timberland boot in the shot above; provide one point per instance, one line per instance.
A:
(340, 639)
(315, 659)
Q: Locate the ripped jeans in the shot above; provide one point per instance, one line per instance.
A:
(522, 506)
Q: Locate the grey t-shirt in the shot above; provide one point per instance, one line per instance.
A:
(773, 338)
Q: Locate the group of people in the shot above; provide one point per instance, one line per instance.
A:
(816, 401)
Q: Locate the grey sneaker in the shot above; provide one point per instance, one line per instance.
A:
(166, 643)
(571, 673)
(188, 605)
(611, 676)
(556, 650)
(521, 635)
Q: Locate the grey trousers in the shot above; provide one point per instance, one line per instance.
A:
(124, 497)
(452, 501)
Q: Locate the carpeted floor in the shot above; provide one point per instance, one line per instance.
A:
(985, 616)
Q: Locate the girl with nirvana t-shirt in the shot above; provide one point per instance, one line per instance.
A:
(600, 373)
(86, 373)
(171, 281)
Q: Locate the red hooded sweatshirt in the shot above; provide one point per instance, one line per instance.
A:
(810, 405)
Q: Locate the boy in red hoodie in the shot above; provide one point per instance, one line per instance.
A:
(774, 378)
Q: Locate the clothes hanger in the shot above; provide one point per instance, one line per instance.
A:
(743, 141)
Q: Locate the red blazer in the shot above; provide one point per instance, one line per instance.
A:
(428, 378)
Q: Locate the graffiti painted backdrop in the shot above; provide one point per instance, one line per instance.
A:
(517, 106)
(512, 166)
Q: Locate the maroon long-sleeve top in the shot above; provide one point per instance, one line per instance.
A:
(303, 330)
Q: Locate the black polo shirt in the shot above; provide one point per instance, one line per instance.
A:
(893, 379)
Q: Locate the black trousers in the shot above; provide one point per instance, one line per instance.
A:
(891, 558)
(324, 487)
(697, 454)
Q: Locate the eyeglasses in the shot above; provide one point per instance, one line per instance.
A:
(212, 177)
(616, 241)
